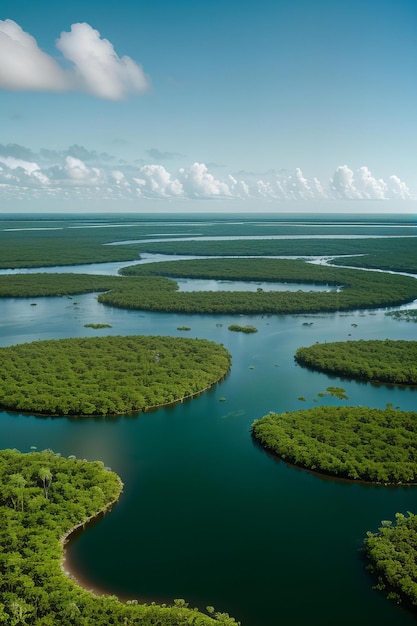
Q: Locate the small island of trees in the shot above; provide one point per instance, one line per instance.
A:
(107, 375)
(357, 443)
(243, 329)
(43, 499)
(392, 557)
(385, 361)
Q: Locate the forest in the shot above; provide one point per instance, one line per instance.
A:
(358, 443)
(144, 288)
(394, 254)
(392, 557)
(65, 242)
(386, 361)
(43, 499)
(107, 375)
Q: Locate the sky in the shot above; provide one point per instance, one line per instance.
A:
(221, 105)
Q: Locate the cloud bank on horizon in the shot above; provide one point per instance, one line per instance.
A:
(95, 68)
(78, 172)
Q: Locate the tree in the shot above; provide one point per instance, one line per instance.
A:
(45, 475)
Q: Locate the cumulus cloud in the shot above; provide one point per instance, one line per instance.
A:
(398, 189)
(362, 185)
(94, 66)
(157, 182)
(199, 183)
(342, 184)
(79, 172)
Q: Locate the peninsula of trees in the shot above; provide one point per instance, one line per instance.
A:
(386, 361)
(107, 375)
(43, 499)
(358, 443)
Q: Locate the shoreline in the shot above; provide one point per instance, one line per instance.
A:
(65, 539)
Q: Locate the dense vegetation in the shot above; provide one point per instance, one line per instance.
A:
(34, 285)
(107, 375)
(361, 289)
(62, 245)
(37, 285)
(243, 329)
(392, 556)
(146, 289)
(395, 254)
(385, 361)
(43, 497)
(70, 241)
(351, 442)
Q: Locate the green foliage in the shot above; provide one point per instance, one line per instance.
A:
(63, 245)
(386, 361)
(351, 442)
(360, 289)
(243, 329)
(395, 254)
(392, 556)
(34, 590)
(146, 289)
(33, 285)
(107, 375)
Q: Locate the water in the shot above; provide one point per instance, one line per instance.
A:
(206, 514)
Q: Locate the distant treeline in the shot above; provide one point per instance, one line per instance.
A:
(386, 361)
(358, 443)
(107, 375)
(395, 254)
(43, 497)
(69, 242)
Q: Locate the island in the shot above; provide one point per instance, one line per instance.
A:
(357, 443)
(384, 361)
(108, 375)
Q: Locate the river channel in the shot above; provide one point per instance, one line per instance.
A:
(206, 514)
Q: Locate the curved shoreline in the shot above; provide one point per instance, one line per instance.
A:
(147, 409)
(66, 539)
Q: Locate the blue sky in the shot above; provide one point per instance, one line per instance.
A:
(223, 105)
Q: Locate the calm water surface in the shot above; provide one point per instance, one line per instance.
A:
(206, 514)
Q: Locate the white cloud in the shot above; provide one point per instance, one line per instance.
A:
(23, 65)
(59, 173)
(95, 67)
(199, 183)
(398, 189)
(342, 183)
(370, 187)
(158, 182)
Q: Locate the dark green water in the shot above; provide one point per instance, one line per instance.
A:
(206, 514)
